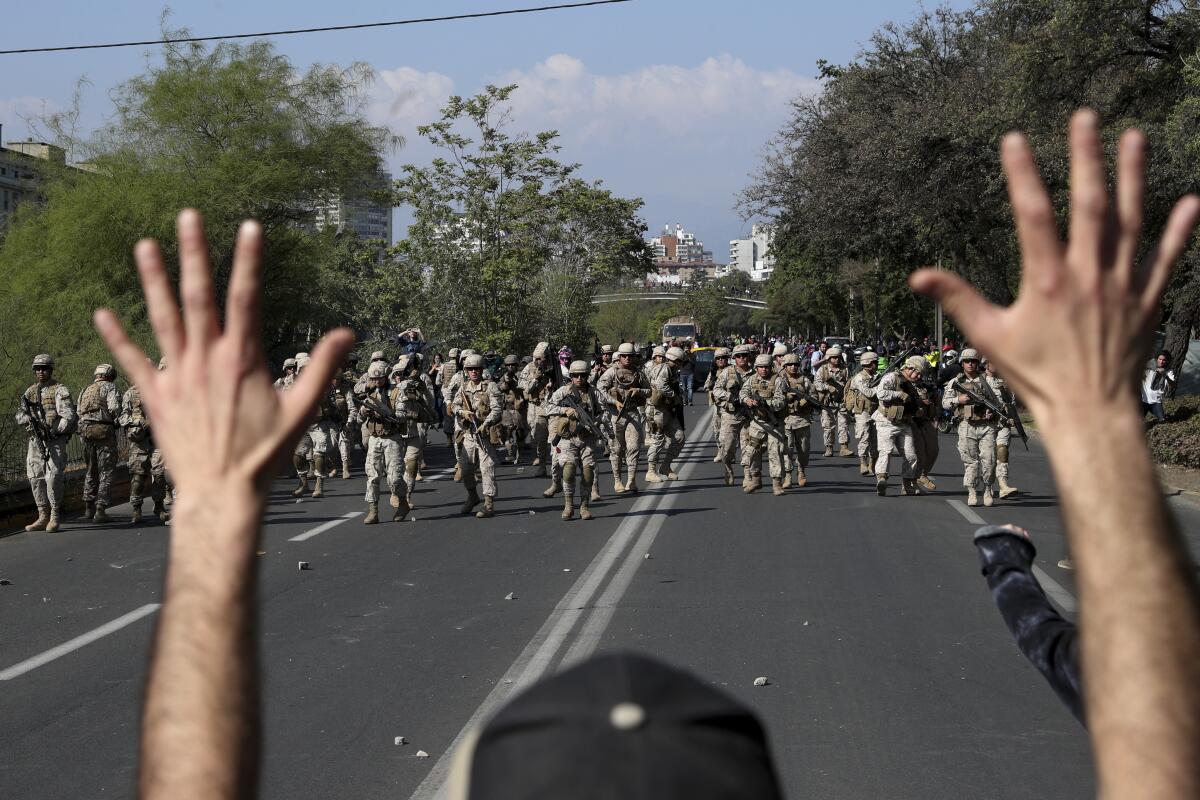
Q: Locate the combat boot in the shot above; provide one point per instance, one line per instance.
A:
(489, 510)
(786, 483)
(52, 523)
(828, 451)
(89, 509)
(319, 488)
(652, 475)
(1006, 490)
(752, 484)
(864, 466)
(672, 475)
(372, 514)
(728, 475)
(554, 488)
(881, 485)
(925, 483)
(594, 495)
(618, 487)
(910, 488)
(346, 470)
(584, 511)
(845, 452)
(631, 486)
(972, 498)
(458, 473)
(568, 511)
(412, 472)
(303, 487)
(987, 496)
(160, 511)
(401, 509)
(471, 501)
(801, 478)
(777, 486)
(39, 524)
(100, 518)
(136, 517)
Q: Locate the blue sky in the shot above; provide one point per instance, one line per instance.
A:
(667, 100)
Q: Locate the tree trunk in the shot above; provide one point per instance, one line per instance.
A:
(1185, 317)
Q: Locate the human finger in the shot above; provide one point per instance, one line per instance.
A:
(1131, 188)
(1161, 260)
(161, 307)
(974, 315)
(298, 402)
(128, 355)
(195, 280)
(1037, 230)
(1089, 197)
(245, 285)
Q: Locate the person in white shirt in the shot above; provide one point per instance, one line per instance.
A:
(1157, 381)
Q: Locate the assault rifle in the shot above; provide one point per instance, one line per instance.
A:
(585, 419)
(37, 424)
(1008, 415)
(383, 412)
(896, 363)
(470, 414)
(806, 397)
(765, 413)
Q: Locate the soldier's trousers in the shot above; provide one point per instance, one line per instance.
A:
(730, 437)
(45, 471)
(760, 436)
(797, 440)
(925, 438)
(899, 435)
(841, 424)
(864, 431)
(977, 447)
(666, 440)
(385, 458)
(1003, 437)
(539, 430)
(628, 436)
(145, 472)
(577, 457)
(100, 458)
(478, 458)
(718, 414)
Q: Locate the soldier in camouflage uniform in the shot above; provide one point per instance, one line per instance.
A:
(391, 441)
(830, 386)
(346, 432)
(1003, 432)
(574, 411)
(720, 364)
(511, 418)
(289, 373)
(976, 429)
(99, 408)
(898, 403)
(861, 402)
(46, 408)
(726, 394)
(663, 417)
(797, 424)
(538, 381)
(449, 389)
(924, 425)
(477, 407)
(624, 390)
(144, 472)
(763, 397)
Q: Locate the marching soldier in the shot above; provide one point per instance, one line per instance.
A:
(477, 406)
(726, 394)
(538, 381)
(391, 439)
(99, 408)
(762, 393)
(601, 365)
(861, 402)
(830, 385)
(449, 388)
(141, 457)
(289, 373)
(310, 453)
(1004, 432)
(666, 406)
(924, 424)
(47, 413)
(898, 403)
(574, 411)
(625, 390)
(720, 364)
(344, 433)
(511, 418)
(976, 429)
(796, 425)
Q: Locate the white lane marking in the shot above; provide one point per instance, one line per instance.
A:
(537, 656)
(1054, 590)
(333, 523)
(83, 640)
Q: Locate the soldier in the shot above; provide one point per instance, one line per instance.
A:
(448, 390)
(720, 364)
(141, 457)
(313, 447)
(797, 388)
(289, 373)
(511, 418)
(762, 394)
(601, 365)
(1004, 395)
(391, 441)
(99, 408)
(538, 381)
(665, 414)
(574, 411)
(47, 413)
(422, 407)
(346, 434)
(898, 402)
(830, 385)
(924, 425)
(477, 406)
(861, 402)
(726, 394)
(976, 428)
(625, 389)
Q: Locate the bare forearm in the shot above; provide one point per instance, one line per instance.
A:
(201, 736)
(1140, 618)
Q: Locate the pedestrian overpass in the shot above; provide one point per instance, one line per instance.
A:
(669, 295)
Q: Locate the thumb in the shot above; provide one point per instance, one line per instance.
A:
(974, 315)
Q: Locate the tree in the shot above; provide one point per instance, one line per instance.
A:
(510, 244)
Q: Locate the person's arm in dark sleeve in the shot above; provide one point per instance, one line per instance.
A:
(1050, 642)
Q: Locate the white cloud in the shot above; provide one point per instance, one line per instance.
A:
(404, 98)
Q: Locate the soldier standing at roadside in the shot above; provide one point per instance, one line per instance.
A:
(99, 408)
(142, 470)
(49, 416)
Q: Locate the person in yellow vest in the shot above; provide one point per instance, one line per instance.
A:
(49, 415)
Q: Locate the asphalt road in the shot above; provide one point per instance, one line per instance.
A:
(891, 674)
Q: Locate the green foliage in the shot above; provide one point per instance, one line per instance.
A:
(510, 244)
(1177, 441)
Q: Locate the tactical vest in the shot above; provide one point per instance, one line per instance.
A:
(857, 402)
(832, 375)
(91, 403)
(448, 370)
(795, 406)
(382, 427)
(626, 379)
(971, 412)
(45, 396)
(478, 401)
(763, 387)
(137, 413)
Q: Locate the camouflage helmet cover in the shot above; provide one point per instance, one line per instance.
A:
(43, 360)
(578, 367)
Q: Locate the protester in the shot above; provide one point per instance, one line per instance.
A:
(1157, 381)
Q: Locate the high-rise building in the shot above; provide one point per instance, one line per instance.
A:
(679, 246)
(363, 215)
(753, 254)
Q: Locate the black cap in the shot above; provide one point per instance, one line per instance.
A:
(622, 725)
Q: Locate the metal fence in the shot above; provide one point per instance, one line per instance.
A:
(14, 444)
